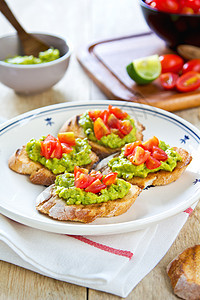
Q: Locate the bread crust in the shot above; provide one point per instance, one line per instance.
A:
(50, 204)
(160, 177)
(22, 164)
(184, 271)
(73, 125)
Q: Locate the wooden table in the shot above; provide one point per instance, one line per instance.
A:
(82, 21)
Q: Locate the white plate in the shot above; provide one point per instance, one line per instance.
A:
(18, 194)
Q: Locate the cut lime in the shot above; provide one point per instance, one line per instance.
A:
(144, 70)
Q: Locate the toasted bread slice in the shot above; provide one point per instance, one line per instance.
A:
(39, 174)
(50, 204)
(160, 177)
(184, 271)
(101, 151)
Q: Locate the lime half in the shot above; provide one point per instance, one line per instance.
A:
(144, 70)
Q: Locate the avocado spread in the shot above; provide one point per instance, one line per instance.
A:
(44, 57)
(111, 140)
(64, 188)
(80, 156)
(127, 170)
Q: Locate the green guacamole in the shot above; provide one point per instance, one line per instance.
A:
(111, 140)
(127, 170)
(64, 188)
(46, 56)
(80, 156)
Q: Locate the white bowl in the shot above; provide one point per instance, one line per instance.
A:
(30, 79)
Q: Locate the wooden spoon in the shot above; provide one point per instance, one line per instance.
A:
(189, 52)
(30, 44)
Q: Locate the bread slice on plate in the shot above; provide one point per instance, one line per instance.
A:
(102, 151)
(50, 204)
(39, 174)
(160, 177)
(184, 273)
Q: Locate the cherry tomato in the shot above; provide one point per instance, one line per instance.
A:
(66, 148)
(159, 154)
(168, 80)
(191, 65)
(125, 127)
(48, 146)
(113, 122)
(82, 180)
(171, 63)
(100, 128)
(78, 170)
(67, 138)
(188, 82)
(139, 156)
(152, 163)
(148, 145)
(57, 152)
(187, 10)
(170, 6)
(117, 112)
(95, 187)
(110, 178)
(96, 174)
(94, 114)
(104, 115)
(129, 148)
(192, 4)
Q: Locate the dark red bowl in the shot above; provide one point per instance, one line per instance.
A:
(174, 29)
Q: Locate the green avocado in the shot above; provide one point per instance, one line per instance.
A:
(46, 56)
(127, 170)
(80, 156)
(111, 140)
(65, 189)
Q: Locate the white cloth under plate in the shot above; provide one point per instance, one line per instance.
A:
(113, 264)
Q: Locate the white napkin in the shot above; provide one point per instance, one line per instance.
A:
(113, 264)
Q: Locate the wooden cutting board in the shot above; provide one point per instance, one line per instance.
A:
(105, 62)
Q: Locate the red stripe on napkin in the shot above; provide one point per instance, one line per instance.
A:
(189, 210)
(124, 253)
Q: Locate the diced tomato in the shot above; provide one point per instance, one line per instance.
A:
(96, 174)
(66, 148)
(83, 181)
(57, 152)
(95, 187)
(188, 82)
(152, 163)
(129, 148)
(67, 138)
(139, 156)
(47, 148)
(113, 121)
(148, 145)
(77, 170)
(100, 128)
(50, 138)
(104, 115)
(191, 65)
(117, 132)
(117, 112)
(171, 62)
(168, 80)
(159, 154)
(110, 178)
(94, 114)
(125, 127)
